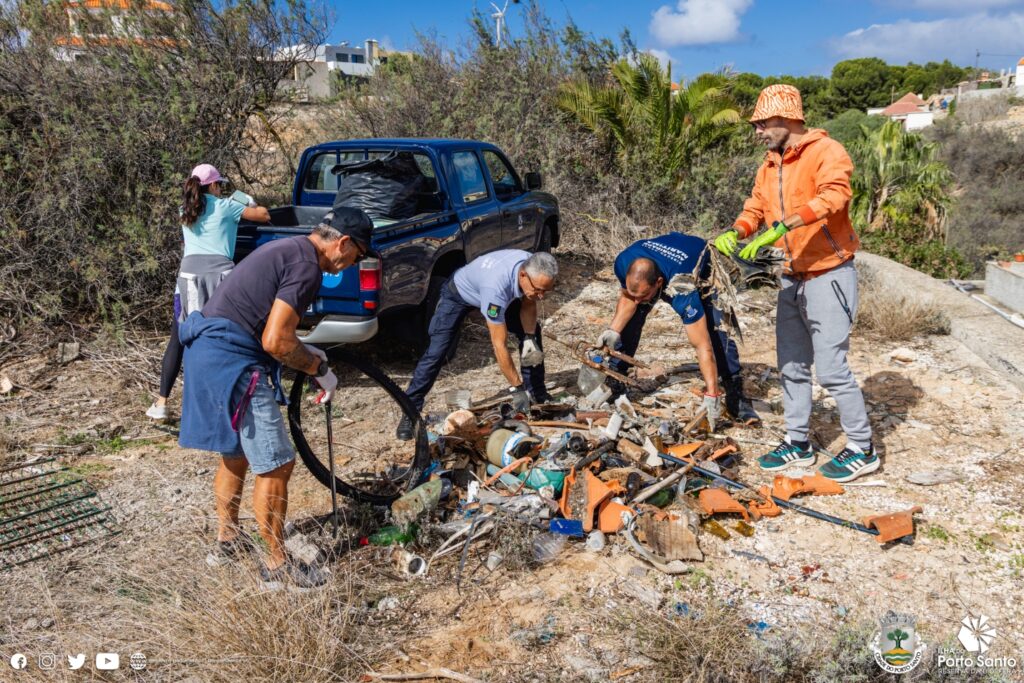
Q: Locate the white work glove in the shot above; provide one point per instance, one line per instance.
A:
(328, 383)
(316, 351)
(520, 399)
(531, 355)
(713, 404)
(609, 338)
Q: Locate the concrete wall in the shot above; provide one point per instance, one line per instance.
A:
(1006, 285)
(919, 120)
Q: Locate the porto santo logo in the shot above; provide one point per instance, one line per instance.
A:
(896, 646)
(976, 635)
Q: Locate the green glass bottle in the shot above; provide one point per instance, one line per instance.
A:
(394, 535)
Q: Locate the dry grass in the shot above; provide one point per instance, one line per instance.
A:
(712, 643)
(894, 315)
(194, 622)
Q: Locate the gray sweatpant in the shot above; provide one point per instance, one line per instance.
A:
(813, 327)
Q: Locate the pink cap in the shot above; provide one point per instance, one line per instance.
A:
(207, 174)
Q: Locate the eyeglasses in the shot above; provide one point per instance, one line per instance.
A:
(362, 252)
(536, 289)
(758, 125)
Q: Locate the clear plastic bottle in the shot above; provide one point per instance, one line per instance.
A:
(548, 546)
(589, 378)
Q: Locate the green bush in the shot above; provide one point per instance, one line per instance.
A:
(96, 144)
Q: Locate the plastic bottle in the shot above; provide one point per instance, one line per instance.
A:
(548, 546)
(589, 378)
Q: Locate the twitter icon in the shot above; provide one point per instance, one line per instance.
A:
(76, 661)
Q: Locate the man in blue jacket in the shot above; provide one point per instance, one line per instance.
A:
(234, 350)
(671, 268)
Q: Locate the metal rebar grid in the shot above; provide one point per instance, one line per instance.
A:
(47, 509)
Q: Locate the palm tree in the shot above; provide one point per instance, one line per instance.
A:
(898, 174)
(646, 121)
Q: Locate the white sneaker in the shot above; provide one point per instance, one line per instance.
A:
(157, 412)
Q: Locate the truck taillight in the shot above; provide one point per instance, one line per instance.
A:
(369, 275)
(369, 282)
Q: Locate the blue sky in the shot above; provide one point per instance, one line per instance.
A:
(796, 37)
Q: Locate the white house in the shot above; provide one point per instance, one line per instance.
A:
(910, 109)
(320, 64)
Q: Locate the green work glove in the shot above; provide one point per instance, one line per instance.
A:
(768, 237)
(726, 242)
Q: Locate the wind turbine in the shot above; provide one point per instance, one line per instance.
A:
(499, 20)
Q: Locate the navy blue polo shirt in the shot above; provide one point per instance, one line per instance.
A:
(673, 254)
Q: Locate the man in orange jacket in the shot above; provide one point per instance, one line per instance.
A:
(802, 191)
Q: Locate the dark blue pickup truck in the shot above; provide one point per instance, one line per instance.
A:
(471, 201)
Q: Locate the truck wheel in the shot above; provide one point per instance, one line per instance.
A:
(374, 467)
(426, 312)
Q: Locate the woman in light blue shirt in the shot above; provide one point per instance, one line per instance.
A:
(209, 228)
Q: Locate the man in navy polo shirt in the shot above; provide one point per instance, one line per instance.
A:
(670, 268)
(505, 287)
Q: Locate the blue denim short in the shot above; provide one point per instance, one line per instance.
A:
(262, 431)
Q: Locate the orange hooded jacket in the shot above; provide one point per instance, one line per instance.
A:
(811, 179)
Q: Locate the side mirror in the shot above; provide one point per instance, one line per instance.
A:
(533, 181)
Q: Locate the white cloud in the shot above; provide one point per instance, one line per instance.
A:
(919, 41)
(698, 22)
(956, 5)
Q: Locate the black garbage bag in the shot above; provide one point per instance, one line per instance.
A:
(386, 188)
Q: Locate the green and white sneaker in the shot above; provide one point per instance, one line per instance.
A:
(850, 464)
(784, 456)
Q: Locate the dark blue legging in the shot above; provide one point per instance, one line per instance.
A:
(171, 365)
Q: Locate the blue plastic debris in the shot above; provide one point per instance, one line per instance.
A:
(758, 628)
(567, 527)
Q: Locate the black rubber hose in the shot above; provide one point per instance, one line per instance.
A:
(421, 454)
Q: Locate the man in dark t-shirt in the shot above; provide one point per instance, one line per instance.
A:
(234, 350)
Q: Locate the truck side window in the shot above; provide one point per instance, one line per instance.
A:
(471, 176)
(503, 178)
(427, 169)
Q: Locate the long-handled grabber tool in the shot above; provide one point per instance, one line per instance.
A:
(330, 459)
(888, 527)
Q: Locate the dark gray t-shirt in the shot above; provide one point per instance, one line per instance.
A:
(285, 269)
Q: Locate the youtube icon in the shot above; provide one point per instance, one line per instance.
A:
(107, 661)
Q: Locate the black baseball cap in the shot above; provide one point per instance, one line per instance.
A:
(351, 221)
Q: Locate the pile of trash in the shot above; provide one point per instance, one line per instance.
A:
(589, 472)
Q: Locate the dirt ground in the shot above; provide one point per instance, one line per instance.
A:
(933, 405)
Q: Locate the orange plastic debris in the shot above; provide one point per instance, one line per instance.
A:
(582, 497)
(724, 451)
(820, 485)
(718, 500)
(786, 487)
(609, 517)
(766, 507)
(893, 525)
(681, 450)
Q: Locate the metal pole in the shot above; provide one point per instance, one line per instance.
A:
(330, 458)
